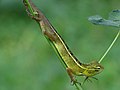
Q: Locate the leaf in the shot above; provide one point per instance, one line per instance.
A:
(115, 15)
(113, 19)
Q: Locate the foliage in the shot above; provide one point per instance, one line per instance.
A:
(113, 19)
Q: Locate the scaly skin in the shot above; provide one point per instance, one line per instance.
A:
(73, 66)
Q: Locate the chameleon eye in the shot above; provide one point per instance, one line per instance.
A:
(98, 67)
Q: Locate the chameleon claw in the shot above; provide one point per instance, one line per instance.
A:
(89, 80)
(32, 11)
(29, 14)
(35, 16)
(95, 78)
(73, 82)
(85, 80)
(73, 79)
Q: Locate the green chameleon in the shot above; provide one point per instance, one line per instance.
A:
(73, 66)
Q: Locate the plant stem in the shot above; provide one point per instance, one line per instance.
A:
(29, 6)
(78, 87)
(110, 47)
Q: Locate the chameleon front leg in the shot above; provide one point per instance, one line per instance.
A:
(31, 10)
(72, 77)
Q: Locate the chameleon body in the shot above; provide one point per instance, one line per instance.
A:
(73, 65)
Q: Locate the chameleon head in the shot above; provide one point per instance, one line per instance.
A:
(93, 68)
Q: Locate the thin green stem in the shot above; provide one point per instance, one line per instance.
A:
(30, 8)
(110, 46)
(78, 88)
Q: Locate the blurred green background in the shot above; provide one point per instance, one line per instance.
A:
(28, 62)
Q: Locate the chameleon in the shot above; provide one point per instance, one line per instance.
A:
(73, 66)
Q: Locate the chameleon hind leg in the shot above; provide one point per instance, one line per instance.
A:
(72, 77)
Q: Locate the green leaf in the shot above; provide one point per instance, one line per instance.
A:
(115, 15)
(113, 19)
